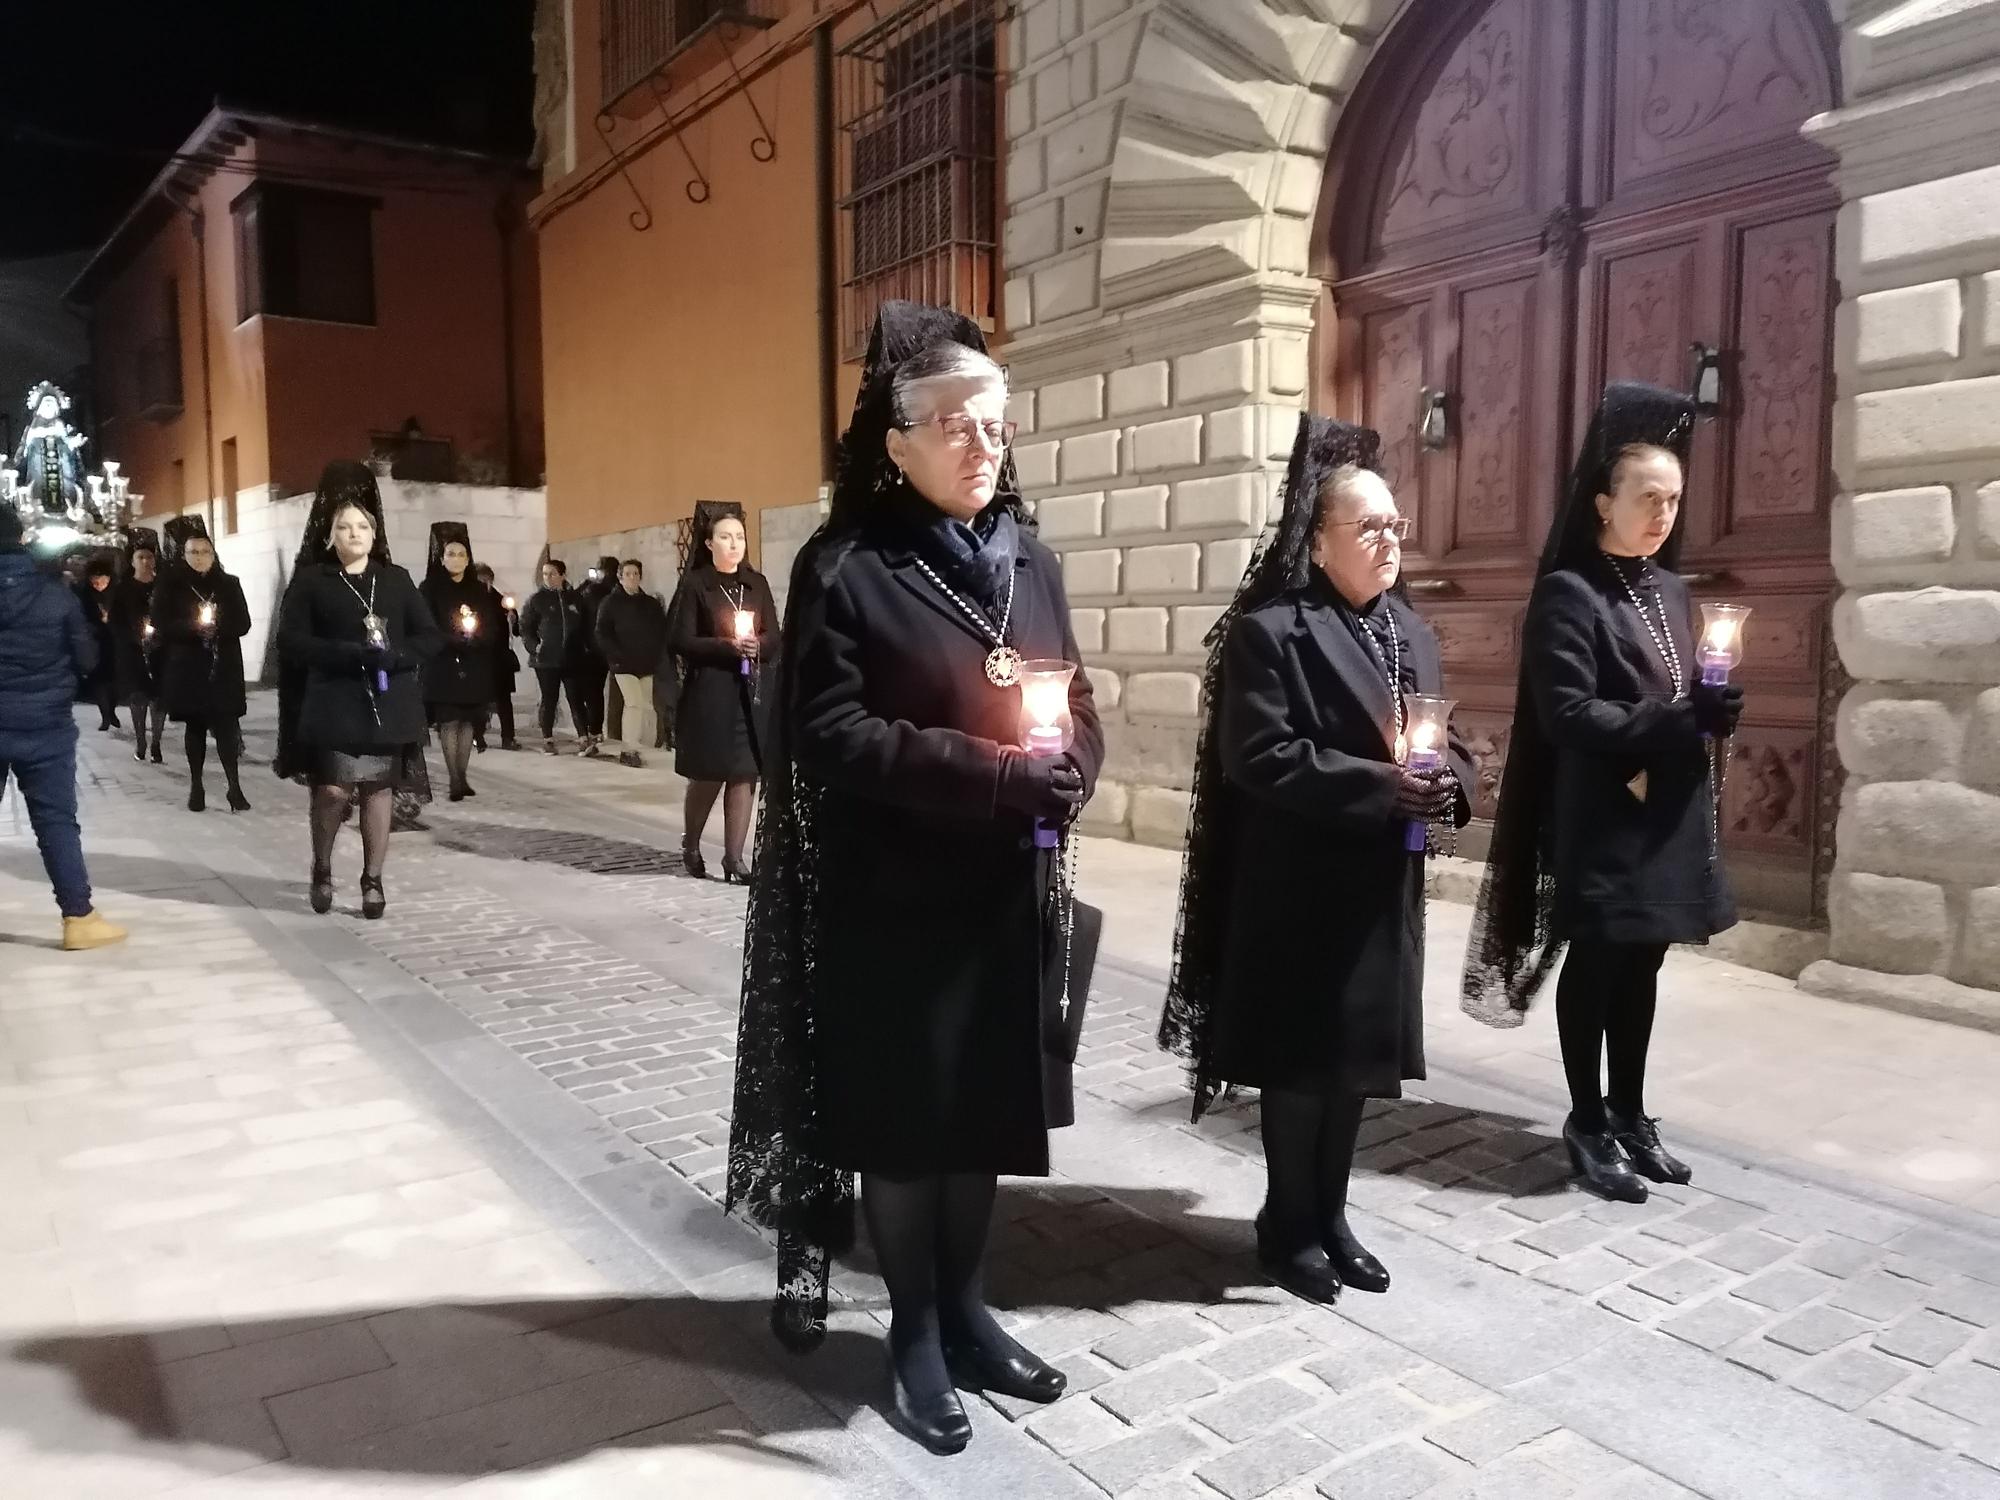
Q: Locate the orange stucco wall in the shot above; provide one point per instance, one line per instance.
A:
(681, 363)
(295, 393)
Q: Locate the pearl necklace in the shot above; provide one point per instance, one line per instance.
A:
(1663, 636)
(1391, 664)
(1003, 662)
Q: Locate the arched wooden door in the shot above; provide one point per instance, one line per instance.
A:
(1530, 197)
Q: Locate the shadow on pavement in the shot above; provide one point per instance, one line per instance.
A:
(164, 880)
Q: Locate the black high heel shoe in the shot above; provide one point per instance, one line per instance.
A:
(1640, 1136)
(322, 890)
(1352, 1261)
(1602, 1164)
(197, 798)
(734, 871)
(237, 801)
(373, 901)
(938, 1422)
(691, 859)
(1304, 1272)
(1021, 1375)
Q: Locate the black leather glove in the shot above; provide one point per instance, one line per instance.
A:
(377, 658)
(1048, 787)
(1717, 707)
(1427, 796)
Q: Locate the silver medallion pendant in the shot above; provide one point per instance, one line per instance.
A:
(1003, 666)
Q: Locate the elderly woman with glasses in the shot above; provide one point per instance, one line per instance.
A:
(1300, 954)
(906, 911)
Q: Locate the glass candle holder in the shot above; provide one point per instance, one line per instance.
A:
(1047, 726)
(1426, 722)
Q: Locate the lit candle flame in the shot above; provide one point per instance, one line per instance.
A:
(146, 628)
(468, 622)
(507, 601)
(746, 624)
(1424, 737)
(1045, 700)
(207, 614)
(1721, 635)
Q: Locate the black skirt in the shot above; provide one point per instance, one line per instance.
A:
(458, 713)
(398, 767)
(718, 724)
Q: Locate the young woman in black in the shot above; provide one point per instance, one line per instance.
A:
(100, 686)
(358, 632)
(134, 639)
(458, 681)
(1299, 960)
(199, 621)
(718, 721)
(1606, 834)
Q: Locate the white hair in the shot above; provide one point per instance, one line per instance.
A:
(940, 365)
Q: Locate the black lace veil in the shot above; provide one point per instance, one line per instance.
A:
(776, 1175)
(443, 534)
(1512, 951)
(341, 483)
(176, 534)
(1283, 563)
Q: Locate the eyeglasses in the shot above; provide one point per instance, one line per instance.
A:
(1373, 529)
(958, 430)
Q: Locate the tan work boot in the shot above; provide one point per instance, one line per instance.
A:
(90, 930)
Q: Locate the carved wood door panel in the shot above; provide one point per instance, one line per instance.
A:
(1532, 197)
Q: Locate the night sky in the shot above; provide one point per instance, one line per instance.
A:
(126, 81)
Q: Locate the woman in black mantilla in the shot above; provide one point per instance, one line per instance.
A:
(199, 621)
(1605, 837)
(1299, 957)
(458, 681)
(133, 640)
(904, 926)
(720, 720)
(94, 592)
(357, 633)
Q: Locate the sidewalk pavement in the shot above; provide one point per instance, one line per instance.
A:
(323, 1207)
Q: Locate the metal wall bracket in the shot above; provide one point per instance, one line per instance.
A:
(764, 145)
(698, 189)
(640, 218)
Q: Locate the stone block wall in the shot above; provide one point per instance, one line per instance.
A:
(1916, 888)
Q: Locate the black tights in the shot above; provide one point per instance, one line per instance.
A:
(739, 799)
(929, 1235)
(228, 737)
(148, 711)
(455, 739)
(329, 811)
(1308, 1154)
(1604, 1007)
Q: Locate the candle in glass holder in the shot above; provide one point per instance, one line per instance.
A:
(146, 630)
(1047, 726)
(1426, 719)
(468, 622)
(205, 616)
(1721, 640)
(746, 630)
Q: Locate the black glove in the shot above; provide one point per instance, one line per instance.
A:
(377, 658)
(1048, 787)
(1717, 707)
(1427, 796)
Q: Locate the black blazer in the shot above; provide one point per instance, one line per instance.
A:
(321, 632)
(1633, 859)
(200, 678)
(1320, 982)
(929, 926)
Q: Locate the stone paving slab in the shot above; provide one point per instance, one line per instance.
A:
(564, 942)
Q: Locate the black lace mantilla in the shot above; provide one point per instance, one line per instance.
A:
(1283, 563)
(777, 1176)
(1512, 949)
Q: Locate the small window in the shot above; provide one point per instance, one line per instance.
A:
(303, 253)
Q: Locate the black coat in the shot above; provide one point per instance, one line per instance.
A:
(555, 628)
(201, 676)
(321, 631)
(462, 673)
(720, 716)
(1321, 973)
(1631, 865)
(929, 929)
(97, 615)
(632, 632)
(506, 664)
(131, 651)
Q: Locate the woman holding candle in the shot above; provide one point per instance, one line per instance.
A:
(93, 592)
(722, 625)
(458, 681)
(134, 638)
(900, 787)
(199, 621)
(358, 632)
(1299, 959)
(1605, 837)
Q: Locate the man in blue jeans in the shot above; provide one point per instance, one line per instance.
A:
(46, 649)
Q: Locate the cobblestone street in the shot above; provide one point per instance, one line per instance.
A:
(305, 1206)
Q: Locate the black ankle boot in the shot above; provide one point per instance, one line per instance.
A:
(1303, 1271)
(1352, 1261)
(1602, 1163)
(938, 1422)
(197, 797)
(1639, 1134)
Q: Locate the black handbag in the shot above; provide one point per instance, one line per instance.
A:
(1072, 956)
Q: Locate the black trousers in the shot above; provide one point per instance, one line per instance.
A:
(557, 684)
(589, 692)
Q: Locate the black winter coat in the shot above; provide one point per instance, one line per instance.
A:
(721, 715)
(1633, 860)
(201, 676)
(322, 632)
(46, 647)
(1321, 975)
(632, 632)
(132, 652)
(96, 608)
(929, 930)
(462, 673)
(555, 629)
